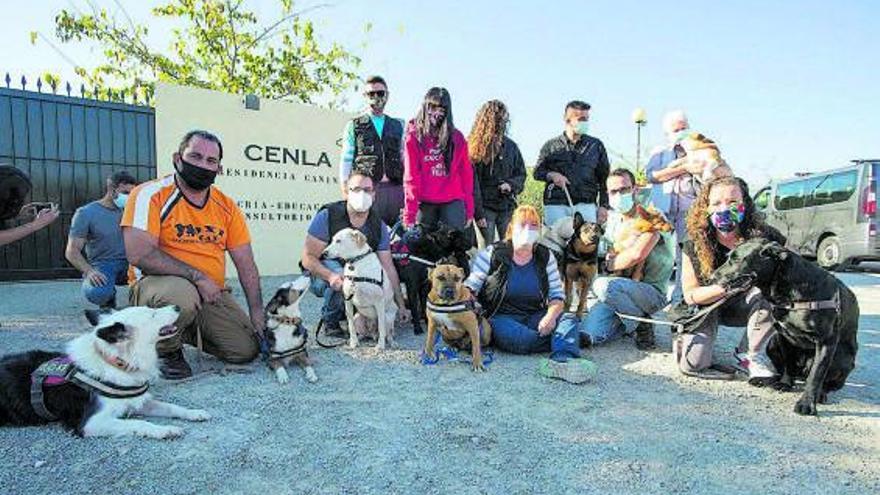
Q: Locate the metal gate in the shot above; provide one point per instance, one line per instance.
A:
(68, 145)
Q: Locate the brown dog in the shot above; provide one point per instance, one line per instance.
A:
(450, 311)
(581, 261)
(647, 220)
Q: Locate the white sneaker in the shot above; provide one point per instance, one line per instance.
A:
(760, 366)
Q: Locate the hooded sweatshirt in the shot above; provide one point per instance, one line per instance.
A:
(424, 177)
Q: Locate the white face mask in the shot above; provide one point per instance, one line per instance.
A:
(120, 200)
(360, 201)
(524, 236)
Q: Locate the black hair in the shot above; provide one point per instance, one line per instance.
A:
(437, 96)
(375, 80)
(623, 172)
(577, 105)
(121, 177)
(208, 136)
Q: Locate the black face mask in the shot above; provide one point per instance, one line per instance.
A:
(196, 177)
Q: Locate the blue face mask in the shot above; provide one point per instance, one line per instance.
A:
(621, 202)
(582, 127)
(728, 219)
(120, 200)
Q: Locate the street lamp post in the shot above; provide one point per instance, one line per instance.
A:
(640, 118)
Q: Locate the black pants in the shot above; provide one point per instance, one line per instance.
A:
(389, 202)
(450, 214)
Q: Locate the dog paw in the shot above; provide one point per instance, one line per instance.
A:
(479, 368)
(782, 386)
(197, 415)
(353, 343)
(282, 376)
(805, 407)
(166, 432)
(763, 381)
(380, 346)
(311, 377)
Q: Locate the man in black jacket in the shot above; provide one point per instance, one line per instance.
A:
(577, 163)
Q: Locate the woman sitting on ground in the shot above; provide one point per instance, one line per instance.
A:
(517, 283)
(722, 217)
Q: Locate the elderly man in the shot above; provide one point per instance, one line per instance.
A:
(355, 211)
(674, 188)
(95, 229)
(577, 162)
(629, 247)
(178, 230)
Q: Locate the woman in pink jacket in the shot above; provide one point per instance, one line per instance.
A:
(438, 179)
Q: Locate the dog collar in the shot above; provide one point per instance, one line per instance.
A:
(286, 320)
(833, 303)
(358, 257)
(115, 361)
(454, 307)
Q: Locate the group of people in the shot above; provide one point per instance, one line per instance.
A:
(169, 237)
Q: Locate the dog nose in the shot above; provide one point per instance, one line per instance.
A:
(176, 308)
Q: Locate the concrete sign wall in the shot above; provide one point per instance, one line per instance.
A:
(279, 162)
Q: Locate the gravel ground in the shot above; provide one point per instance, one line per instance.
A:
(385, 424)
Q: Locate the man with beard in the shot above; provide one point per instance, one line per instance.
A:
(371, 145)
(177, 231)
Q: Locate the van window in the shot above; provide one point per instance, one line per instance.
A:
(762, 199)
(793, 195)
(836, 188)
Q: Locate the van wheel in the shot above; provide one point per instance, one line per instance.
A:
(828, 254)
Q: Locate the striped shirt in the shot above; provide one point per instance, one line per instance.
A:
(480, 270)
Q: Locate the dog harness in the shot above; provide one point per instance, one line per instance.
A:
(441, 349)
(380, 282)
(292, 321)
(833, 303)
(63, 370)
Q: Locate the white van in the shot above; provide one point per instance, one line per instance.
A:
(831, 215)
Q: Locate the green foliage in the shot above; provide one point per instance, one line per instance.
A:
(533, 193)
(218, 45)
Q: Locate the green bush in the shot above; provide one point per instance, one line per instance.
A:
(533, 193)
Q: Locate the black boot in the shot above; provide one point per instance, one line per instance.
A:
(173, 366)
(645, 337)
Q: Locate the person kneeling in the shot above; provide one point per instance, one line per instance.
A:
(517, 283)
(638, 245)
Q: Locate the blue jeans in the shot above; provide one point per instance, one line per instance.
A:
(619, 295)
(518, 334)
(333, 310)
(104, 295)
(552, 213)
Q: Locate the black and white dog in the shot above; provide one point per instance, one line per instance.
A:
(286, 334)
(102, 378)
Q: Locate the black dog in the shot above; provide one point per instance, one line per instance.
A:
(817, 318)
(413, 248)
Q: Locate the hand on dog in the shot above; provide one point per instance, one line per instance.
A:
(546, 325)
(336, 281)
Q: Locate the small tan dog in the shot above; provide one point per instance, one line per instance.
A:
(367, 289)
(450, 311)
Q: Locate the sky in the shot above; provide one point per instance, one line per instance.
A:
(783, 87)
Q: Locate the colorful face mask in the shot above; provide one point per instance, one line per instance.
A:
(726, 220)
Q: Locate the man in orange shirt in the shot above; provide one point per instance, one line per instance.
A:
(177, 231)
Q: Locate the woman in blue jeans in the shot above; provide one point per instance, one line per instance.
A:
(517, 283)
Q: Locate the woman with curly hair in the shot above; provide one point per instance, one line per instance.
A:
(722, 217)
(499, 170)
(438, 179)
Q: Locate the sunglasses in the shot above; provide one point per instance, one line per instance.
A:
(381, 93)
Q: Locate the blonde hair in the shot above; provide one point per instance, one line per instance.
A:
(522, 213)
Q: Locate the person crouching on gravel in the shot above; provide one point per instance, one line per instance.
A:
(518, 285)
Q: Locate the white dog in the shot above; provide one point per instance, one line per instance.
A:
(101, 379)
(366, 288)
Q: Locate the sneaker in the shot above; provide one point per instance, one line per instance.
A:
(572, 371)
(173, 366)
(761, 369)
(585, 341)
(645, 337)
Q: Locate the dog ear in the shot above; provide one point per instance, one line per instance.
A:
(578, 220)
(279, 299)
(112, 333)
(359, 238)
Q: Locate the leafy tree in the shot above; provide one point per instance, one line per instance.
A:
(218, 45)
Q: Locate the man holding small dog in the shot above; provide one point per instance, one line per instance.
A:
(177, 231)
(574, 165)
(355, 211)
(642, 298)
